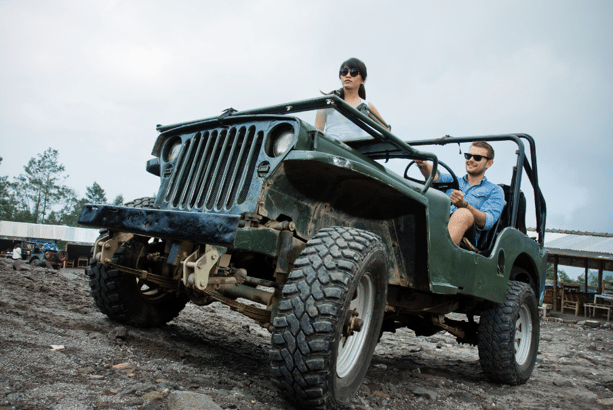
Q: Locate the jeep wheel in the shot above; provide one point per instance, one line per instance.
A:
(329, 318)
(509, 336)
(125, 298)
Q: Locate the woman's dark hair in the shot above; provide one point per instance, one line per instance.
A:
(361, 67)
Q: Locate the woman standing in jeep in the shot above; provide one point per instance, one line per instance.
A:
(353, 76)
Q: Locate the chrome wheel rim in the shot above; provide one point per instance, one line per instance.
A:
(523, 335)
(349, 348)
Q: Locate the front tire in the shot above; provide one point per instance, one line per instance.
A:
(509, 336)
(125, 298)
(329, 318)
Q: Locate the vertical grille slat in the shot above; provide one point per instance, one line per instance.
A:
(233, 141)
(214, 169)
(173, 187)
(239, 166)
(209, 159)
(186, 164)
(251, 161)
(195, 190)
(191, 178)
(215, 177)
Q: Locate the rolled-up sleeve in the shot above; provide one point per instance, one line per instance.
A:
(493, 206)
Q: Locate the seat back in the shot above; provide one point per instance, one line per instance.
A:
(487, 238)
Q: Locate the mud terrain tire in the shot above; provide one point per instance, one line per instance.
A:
(122, 297)
(509, 336)
(316, 361)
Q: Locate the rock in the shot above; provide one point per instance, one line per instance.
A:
(380, 366)
(86, 370)
(564, 383)
(182, 400)
(546, 338)
(591, 323)
(390, 389)
(124, 368)
(421, 392)
(605, 402)
(21, 266)
(68, 275)
(153, 396)
(119, 332)
(138, 389)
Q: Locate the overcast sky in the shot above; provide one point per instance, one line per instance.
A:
(93, 78)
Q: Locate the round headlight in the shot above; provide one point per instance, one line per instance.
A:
(173, 150)
(282, 142)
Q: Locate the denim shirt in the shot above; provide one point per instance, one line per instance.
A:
(484, 196)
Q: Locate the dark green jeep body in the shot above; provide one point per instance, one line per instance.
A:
(262, 206)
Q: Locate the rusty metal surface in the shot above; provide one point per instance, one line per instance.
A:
(194, 226)
(319, 195)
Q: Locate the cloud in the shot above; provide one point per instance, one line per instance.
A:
(94, 78)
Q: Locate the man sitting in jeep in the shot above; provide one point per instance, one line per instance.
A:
(479, 202)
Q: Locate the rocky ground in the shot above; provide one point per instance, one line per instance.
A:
(58, 352)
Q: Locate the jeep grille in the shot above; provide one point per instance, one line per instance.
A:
(214, 169)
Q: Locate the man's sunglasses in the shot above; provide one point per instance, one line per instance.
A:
(476, 157)
(354, 72)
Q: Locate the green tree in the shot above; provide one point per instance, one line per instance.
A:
(562, 275)
(118, 200)
(72, 211)
(593, 278)
(40, 188)
(7, 198)
(95, 194)
(11, 204)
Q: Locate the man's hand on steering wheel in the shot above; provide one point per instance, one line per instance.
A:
(441, 186)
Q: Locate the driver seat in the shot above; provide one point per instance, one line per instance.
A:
(487, 238)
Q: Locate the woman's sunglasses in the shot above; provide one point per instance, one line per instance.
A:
(476, 157)
(354, 72)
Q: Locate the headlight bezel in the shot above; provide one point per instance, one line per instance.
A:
(280, 140)
(171, 149)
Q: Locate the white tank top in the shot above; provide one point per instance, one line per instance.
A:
(339, 127)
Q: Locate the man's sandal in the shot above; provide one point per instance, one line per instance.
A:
(465, 244)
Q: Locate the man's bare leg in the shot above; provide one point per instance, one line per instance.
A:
(459, 222)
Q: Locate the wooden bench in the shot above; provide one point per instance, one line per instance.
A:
(606, 305)
(593, 307)
(544, 309)
(572, 298)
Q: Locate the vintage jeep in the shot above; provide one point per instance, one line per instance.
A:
(43, 253)
(322, 245)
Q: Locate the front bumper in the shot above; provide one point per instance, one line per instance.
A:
(214, 229)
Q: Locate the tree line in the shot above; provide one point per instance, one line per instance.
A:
(39, 194)
(592, 279)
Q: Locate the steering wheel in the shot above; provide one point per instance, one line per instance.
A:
(441, 186)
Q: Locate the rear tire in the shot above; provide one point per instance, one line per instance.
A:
(509, 336)
(317, 361)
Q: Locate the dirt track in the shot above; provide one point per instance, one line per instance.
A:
(214, 358)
